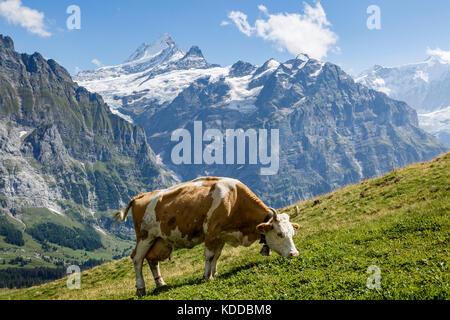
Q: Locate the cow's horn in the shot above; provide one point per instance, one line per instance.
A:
(275, 213)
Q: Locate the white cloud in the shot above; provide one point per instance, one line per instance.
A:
(240, 20)
(30, 19)
(442, 54)
(263, 9)
(308, 33)
(225, 23)
(97, 63)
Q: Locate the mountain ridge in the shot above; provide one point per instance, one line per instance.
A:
(333, 131)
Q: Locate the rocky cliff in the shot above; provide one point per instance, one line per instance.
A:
(60, 143)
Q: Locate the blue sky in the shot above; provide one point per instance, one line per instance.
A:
(112, 30)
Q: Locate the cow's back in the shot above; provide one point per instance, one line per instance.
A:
(183, 210)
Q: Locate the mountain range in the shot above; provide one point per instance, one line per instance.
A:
(333, 131)
(425, 86)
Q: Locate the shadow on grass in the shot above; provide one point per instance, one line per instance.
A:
(197, 281)
(240, 268)
(190, 282)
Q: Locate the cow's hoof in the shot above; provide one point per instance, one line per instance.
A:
(265, 251)
(140, 292)
(160, 284)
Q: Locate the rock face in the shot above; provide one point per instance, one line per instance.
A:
(59, 142)
(332, 131)
(425, 86)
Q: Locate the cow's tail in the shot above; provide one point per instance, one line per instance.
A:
(122, 215)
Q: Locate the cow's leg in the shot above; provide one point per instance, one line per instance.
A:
(154, 266)
(212, 254)
(215, 259)
(140, 252)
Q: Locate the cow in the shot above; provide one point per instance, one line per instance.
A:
(210, 210)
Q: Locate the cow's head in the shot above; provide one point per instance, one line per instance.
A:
(279, 232)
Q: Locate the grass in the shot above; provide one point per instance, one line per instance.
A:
(398, 222)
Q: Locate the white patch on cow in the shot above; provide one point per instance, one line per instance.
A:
(176, 239)
(208, 266)
(142, 248)
(223, 186)
(198, 182)
(149, 222)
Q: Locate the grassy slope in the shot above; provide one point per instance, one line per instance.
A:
(400, 223)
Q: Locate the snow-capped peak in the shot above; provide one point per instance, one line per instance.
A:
(146, 51)
(303, 57)
(423, 85)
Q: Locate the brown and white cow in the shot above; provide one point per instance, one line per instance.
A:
(211, 210)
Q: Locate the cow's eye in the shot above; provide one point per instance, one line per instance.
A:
(280, 235)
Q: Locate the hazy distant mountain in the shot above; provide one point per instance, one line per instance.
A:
(438, 124)
(425, 86)
(333, 131)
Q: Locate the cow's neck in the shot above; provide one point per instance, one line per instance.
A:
(262, 236)
(257, 214)
(252, 211)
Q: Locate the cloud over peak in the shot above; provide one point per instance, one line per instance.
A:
(308, 33)
(97, 62)
(441, 54)
(28, 18)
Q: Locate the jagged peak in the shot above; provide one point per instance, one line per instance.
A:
(271, 63)
(241, 68)
(6, 42)
(303, 57)
(146, 50)
(194, 51)
(268, 65)
(241, 63)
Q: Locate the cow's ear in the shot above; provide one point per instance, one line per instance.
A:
(264, 228)
(296, 226)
